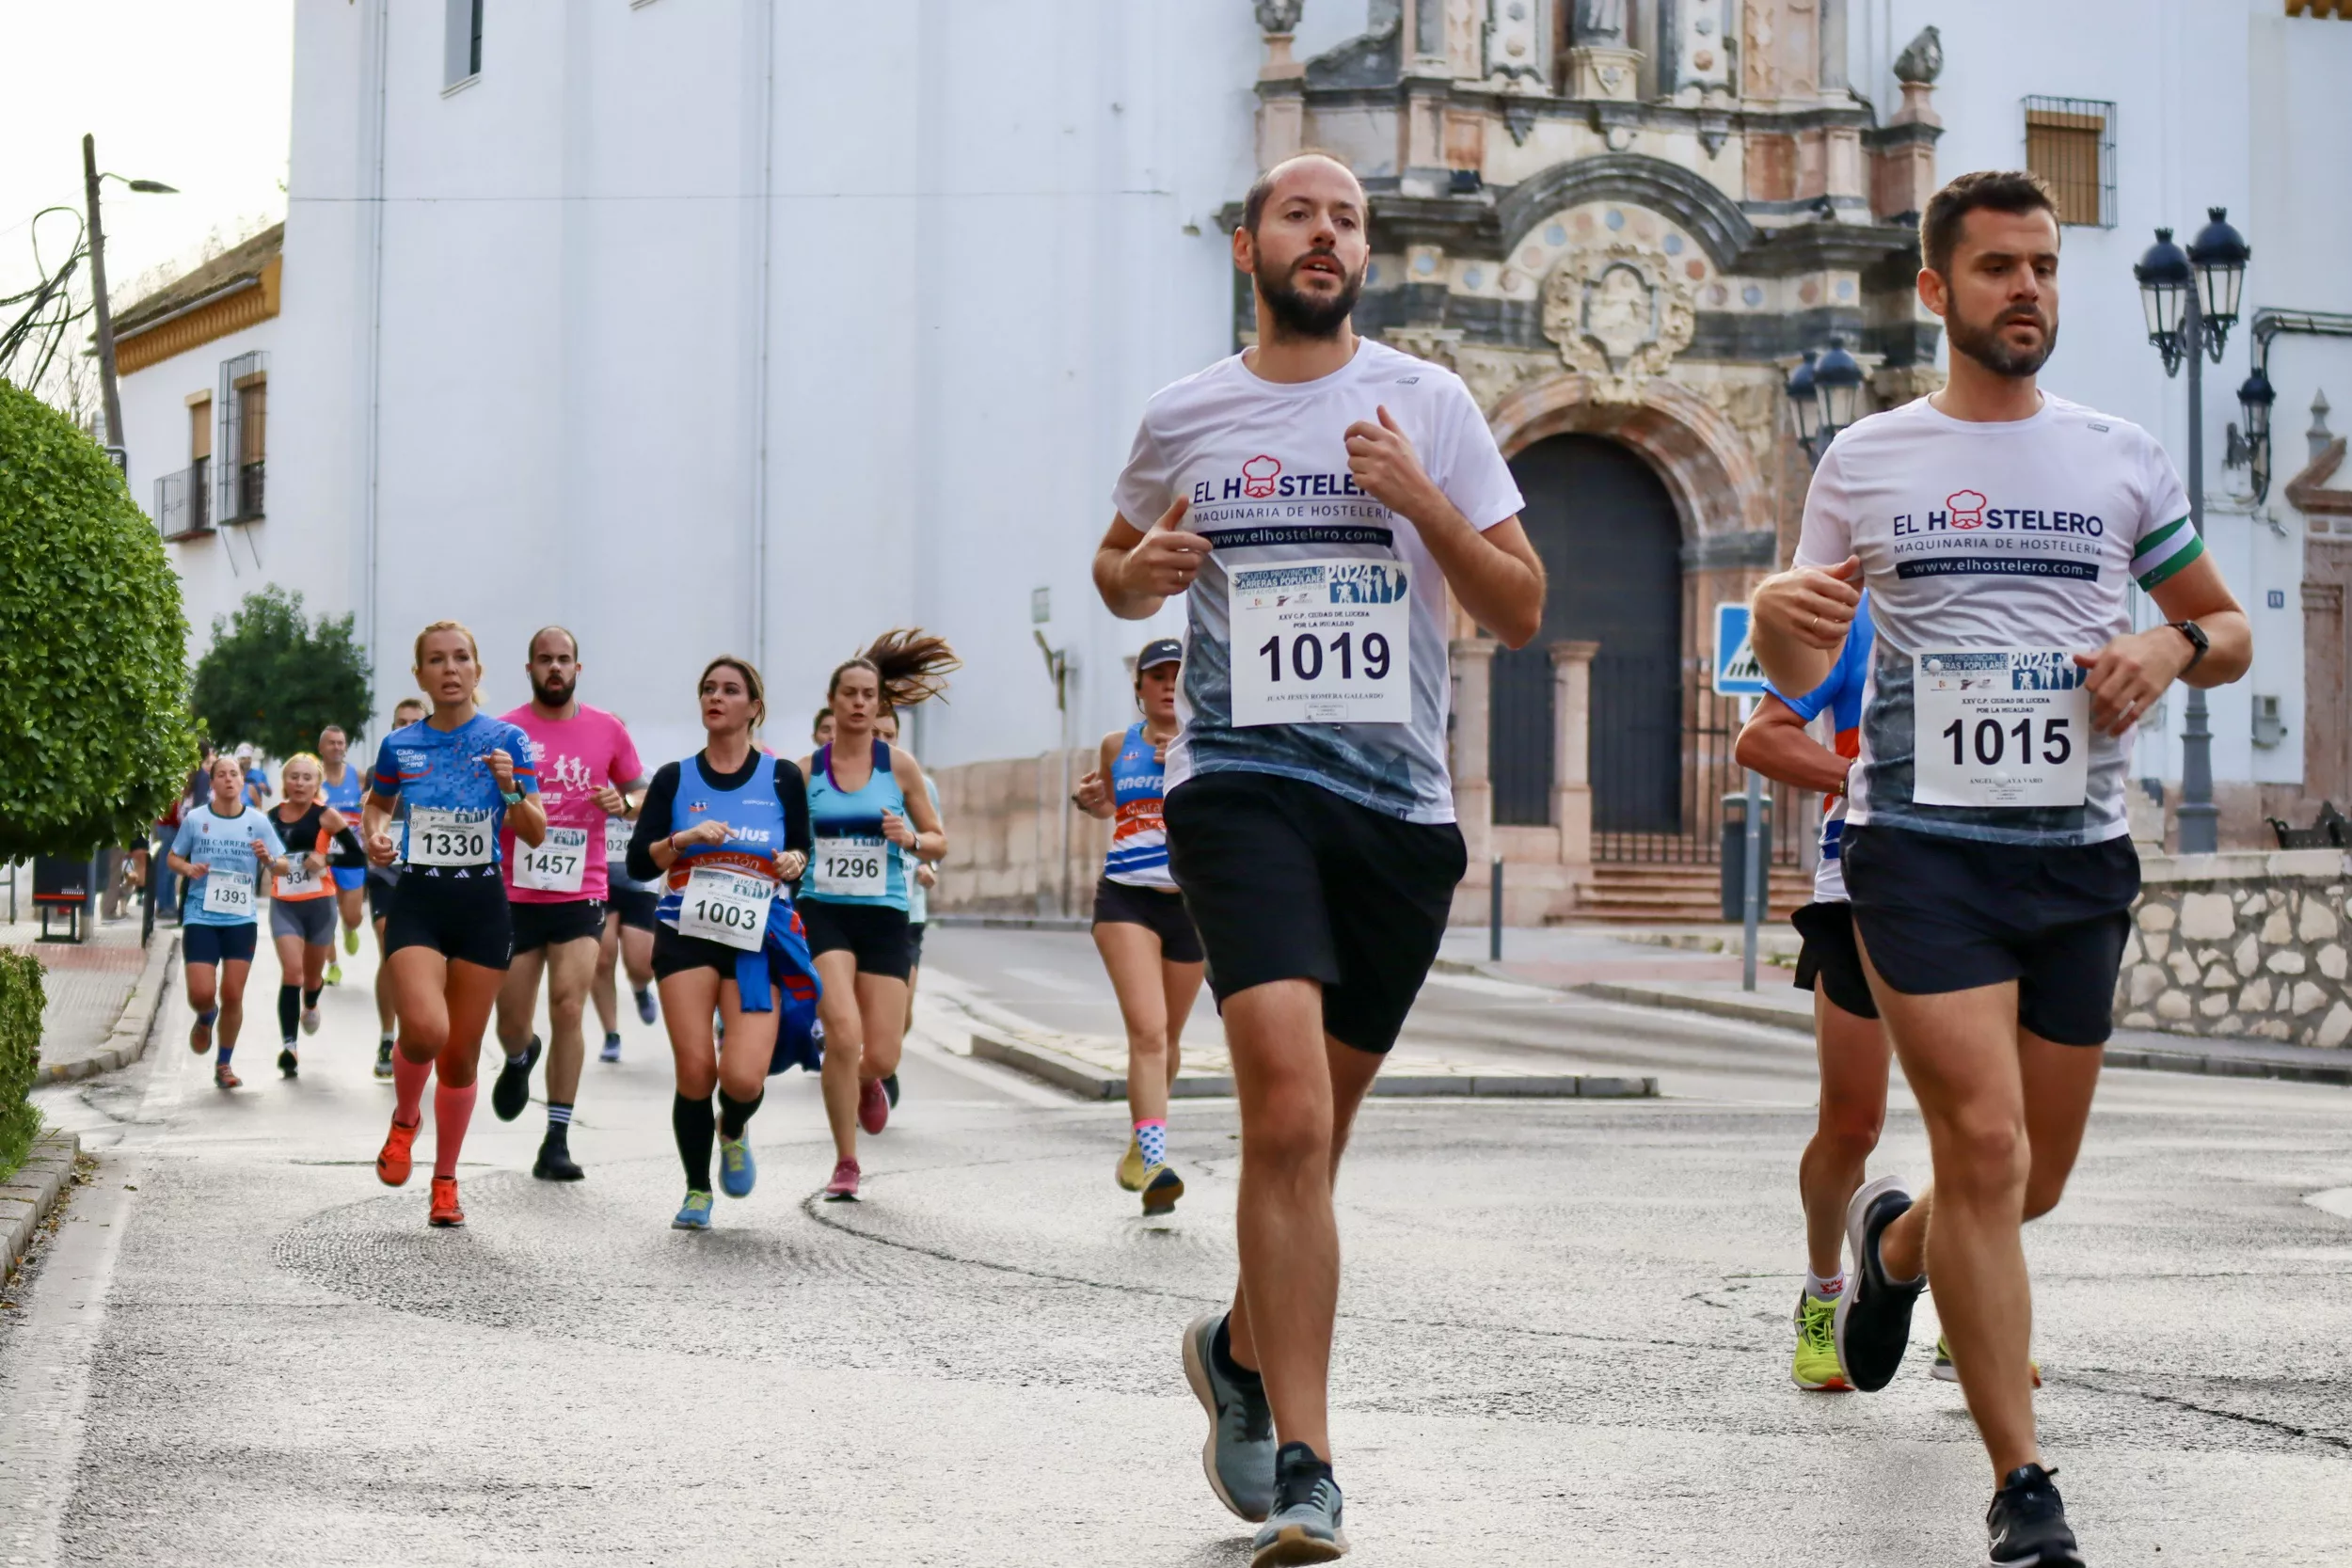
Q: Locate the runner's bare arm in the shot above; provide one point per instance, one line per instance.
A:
(2130, 675)
(1094, 795)
(1496, 574)
(1776, 745)
(375, 816)
(1798, 621)
(1136, 572)
(931, 833)
(528, 815)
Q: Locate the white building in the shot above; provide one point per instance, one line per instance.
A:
(763, 326)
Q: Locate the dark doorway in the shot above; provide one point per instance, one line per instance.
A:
(1611, 543)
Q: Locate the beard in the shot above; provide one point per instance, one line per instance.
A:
(1986, 346)
(553, 694)
(1298, 315)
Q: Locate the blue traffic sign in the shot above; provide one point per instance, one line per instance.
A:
(1737, 674)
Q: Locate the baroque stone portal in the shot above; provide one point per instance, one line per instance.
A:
(1619, 315)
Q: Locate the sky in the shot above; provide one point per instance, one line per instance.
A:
(195, 93)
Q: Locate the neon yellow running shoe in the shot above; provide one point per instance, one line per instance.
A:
(1131, 1167)
(1944, 1371)
(351, 940)
(1816, 1368)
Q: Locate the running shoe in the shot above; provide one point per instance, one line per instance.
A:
(224, 1079)
(392, 1160)
(611, 1052)
(1874, 1314)
(309, 1020)
(2027, 1523)
(286, 1062)
(1944, 1371)
(1131, 1165)
(383, 1058)
(890, 1087)
(1238, 1456)
(873, 1106)
(843, 1187)
(513, 1090)
(444, 1212)
(1305, 1524)
(351, 941)
(555, 1164)
(695, 1213)
(199, 1036)
(645, 1007)
(738, 1170)
(1162, 1187)
(334, 973)
(1816, 1368)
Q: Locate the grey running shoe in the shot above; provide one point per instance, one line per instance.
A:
(1239, 1453)
(1874, 1315)
(1305, 1525)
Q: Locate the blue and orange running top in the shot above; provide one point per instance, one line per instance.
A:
(758, 826)
(1138, 852)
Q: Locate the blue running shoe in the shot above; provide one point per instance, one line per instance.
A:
(644, 1007)
(737, 1169)
(695, 1214)
(611, 1052)
(1239, 1454)
(1304, 1525)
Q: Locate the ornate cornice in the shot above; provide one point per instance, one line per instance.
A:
(1711, 218)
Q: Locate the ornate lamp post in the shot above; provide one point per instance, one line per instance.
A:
(2191, 301)
(1825, 391)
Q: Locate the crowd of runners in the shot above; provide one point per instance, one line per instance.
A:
(1283, 831)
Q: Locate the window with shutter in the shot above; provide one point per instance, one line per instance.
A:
(2070, 142)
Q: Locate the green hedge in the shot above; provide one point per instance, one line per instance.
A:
(21, 998)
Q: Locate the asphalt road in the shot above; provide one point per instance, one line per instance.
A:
(1566, 1330)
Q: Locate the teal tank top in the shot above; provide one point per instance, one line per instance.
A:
(854, 863)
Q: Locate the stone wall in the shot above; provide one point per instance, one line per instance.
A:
(2241, 944)
(1004, 823)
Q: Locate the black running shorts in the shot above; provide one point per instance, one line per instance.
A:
(674, 953)
(1159, 910)
(1944, 914)
(1829, 961)
(915, 943)
(874, 934)
(463, 917)
(380, 891)
(217, 945)
(539, 926)
(636, 906)
(1285, 880)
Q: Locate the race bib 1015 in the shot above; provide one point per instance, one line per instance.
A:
(1321, 642)
(2000, 727)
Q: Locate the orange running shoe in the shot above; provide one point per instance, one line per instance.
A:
(445, 1210)
(393, 1162)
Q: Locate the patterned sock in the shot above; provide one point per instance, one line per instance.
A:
(452, 1110)
(409, 1081)
(1824, 1289)
(1152, 1137)
(558, 1123)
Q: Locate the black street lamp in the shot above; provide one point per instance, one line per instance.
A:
(2191, 301)
(1825, 392)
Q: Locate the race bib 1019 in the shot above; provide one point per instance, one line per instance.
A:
(443, 837)
(852, 868)
(555, 863)
(1321, 642)
(2000, 727)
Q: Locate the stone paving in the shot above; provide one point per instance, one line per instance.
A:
(86, 985)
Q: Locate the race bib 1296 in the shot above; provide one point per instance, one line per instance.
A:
(2000, 727)
(1321, 642)
(852, 867)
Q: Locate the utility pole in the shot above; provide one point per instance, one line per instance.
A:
(110, 399)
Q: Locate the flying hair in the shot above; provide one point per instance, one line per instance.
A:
(909, 666)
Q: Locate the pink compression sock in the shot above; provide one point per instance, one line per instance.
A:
(452, 1110)
(409, 1081)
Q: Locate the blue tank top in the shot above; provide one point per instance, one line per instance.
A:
(854, 815)
(755, 828)
(1138, 852)
(346, 797)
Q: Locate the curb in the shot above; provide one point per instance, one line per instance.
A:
(33, 1191)
(1016, 922)
(128, 1041)
(1088, 1082)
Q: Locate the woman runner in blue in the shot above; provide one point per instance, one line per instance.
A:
(222, 847)
(1140, 928)
(453, 779)
(873, 820)
(723, 835)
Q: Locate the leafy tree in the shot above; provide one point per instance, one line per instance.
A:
(273, 678)
(94, 733)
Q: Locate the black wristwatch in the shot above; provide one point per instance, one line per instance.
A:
(2197, 643)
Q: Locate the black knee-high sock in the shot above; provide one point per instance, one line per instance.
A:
(692, 1121)
(310, 995)
(289, 1010)
(734, 1114)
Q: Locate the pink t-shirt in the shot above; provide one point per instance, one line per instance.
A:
(576, 757)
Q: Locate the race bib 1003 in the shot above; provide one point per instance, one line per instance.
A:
(2000, 727)
(441, 837)
(555, 864)
(725, 906)
(852, 868)
(228, 891)
(617, 832)
(1321, 642)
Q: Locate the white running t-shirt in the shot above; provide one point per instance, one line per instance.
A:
(2004, 543)
(1326, 581)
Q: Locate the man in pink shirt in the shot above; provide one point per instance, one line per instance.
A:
(588, 772)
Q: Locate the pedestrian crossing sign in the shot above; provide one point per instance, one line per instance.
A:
(1737, 674)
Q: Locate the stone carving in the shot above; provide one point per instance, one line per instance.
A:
(1492, 373)
(1464, 21)
(1600, 22)
(1279, 16)
(1620, 315)
(1433, 344)
(1922, 60)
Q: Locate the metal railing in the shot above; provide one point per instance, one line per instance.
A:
(1661, 762)
(247, 483)
(1522, 737)
(183, 500)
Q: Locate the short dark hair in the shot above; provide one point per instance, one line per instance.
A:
(1998, 190)
(1262, 188)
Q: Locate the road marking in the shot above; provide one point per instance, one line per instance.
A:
(2335, 1200)
(1047, 980)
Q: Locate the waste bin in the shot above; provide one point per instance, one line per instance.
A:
(67, 886)
(1735, 849)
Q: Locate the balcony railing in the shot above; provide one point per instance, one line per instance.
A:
(183, 501)
(249, 492)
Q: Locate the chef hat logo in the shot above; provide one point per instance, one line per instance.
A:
(1258, 476)
(1967, 508)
